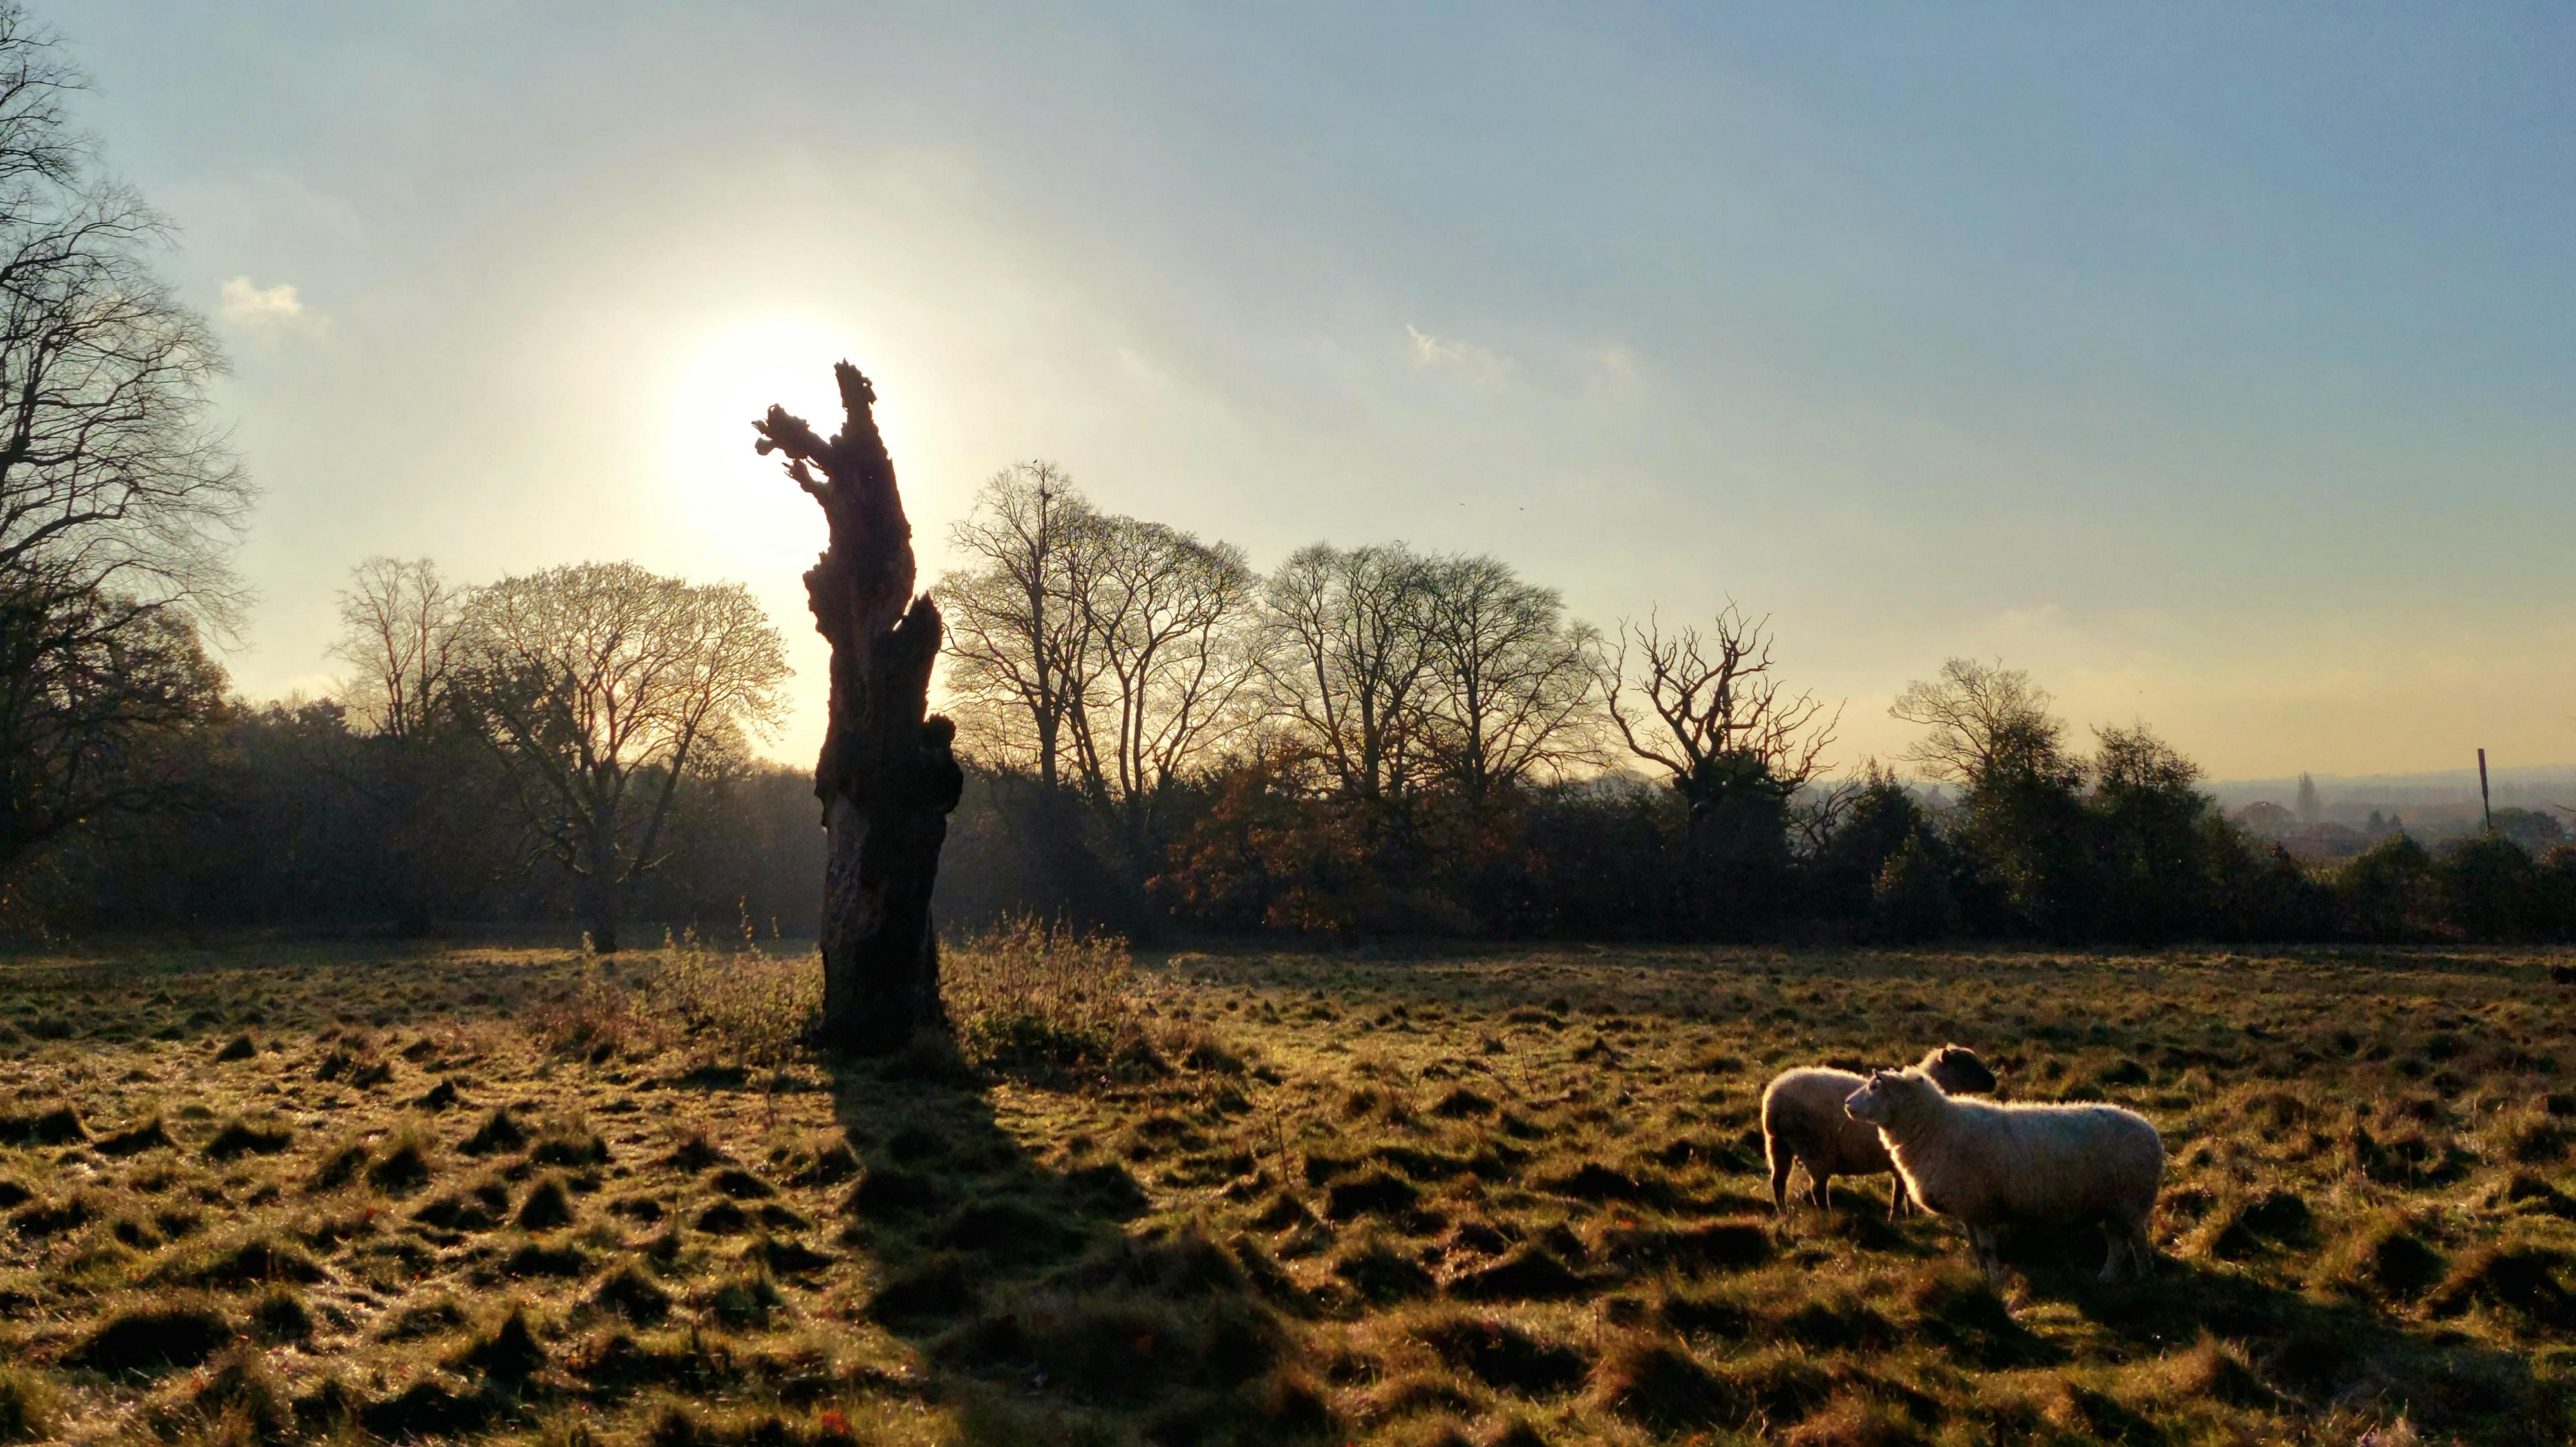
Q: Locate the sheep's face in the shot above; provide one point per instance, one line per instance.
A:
(1958, 1071)
(1874, 1103)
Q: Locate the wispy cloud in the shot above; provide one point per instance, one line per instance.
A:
(247, 304)
(1613, 360)
(1452, 355)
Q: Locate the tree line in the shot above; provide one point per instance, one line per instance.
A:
(1381, 740)
(1156, 737)
(1157, 740)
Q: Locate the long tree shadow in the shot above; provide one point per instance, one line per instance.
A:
(1053, 1305)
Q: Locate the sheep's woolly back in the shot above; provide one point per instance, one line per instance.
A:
(1986, 1164)
(1802, 1111)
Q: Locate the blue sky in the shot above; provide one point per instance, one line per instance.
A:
(2213, 363)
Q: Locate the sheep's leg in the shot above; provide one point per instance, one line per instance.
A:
(1986, 1242)
(2118, 1233)
(1897, 1203)
(1781, 1159)
(2142, 1249)
(1823, 1192)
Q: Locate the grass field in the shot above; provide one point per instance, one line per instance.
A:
(1511, 1196)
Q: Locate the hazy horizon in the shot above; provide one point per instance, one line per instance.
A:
(2211, 374)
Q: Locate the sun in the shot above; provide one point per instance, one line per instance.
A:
(739, 511)
(727, 377)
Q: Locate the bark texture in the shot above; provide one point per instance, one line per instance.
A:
(888, 776)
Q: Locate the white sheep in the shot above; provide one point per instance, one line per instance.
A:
(1803, 1121)
(1990, 1165)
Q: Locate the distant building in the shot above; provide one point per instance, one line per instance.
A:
(2267, 821)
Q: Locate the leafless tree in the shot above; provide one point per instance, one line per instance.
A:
(398, 621)
(1689, 702)
(1104, 652)
(1018, 632)
(1512, 692)
(1164, 617)
(1981, 715)
(119, 502)
(413, 764)
(1348, 661)
(604, 688)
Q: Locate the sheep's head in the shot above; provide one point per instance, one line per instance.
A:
(1874, 1103)
(1958, 1071)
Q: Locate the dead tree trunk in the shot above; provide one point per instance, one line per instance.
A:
(887, 776)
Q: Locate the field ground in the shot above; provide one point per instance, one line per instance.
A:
(343, 1191)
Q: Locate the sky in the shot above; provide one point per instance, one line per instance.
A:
(2210, 362)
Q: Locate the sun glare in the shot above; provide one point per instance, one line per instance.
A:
(727, 378)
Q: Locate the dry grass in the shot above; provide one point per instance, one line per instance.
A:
(1508, 1198)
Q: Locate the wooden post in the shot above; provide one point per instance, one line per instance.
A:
(2484, 801)
(887, 776)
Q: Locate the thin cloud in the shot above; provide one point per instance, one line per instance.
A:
(1452, 355)
(1613, 359)
(246, 304)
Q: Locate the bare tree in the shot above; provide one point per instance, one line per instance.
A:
(1164, 617)
(1018, 624)
(603, 688)
(1981, 716)
(888, 777)
(1348, 662)
(1513, 684)
(414, 765)
(1696, 704)
(1102, 651)
(398, 621)
(119, 503)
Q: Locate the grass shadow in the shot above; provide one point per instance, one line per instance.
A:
(2320, 1350)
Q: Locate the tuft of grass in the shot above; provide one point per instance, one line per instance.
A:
(509, 1354)
(60, 1126)
(537, 1260)
(240, 1138)
(746, 1011)
(339, 1168)
(631, 1294)
(404, 1167)
(2521, 1278)
(499, 1132)
(134, 1141)
(281, 1316)
(253, 1262)
(741, 1185)
(30, 1405)
(747, 1302)
(570, 1146)
(152, 1338)
(695, 1153)
(242, 1401)
(1532, 1273)
(548, 1206)
(1027, 996)
(1503, 1355)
